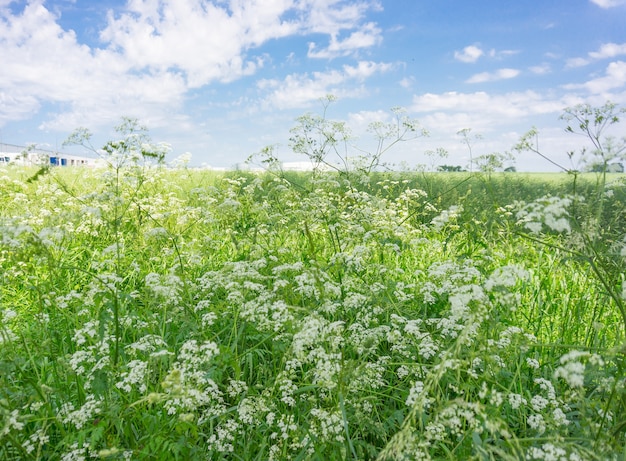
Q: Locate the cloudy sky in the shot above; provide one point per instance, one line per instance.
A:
(222, 79)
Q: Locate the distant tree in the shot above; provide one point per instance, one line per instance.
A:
(605, 167)
(510, 169)
(450, 168)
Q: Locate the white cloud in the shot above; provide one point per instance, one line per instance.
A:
(614, 78)
(608, 3)
(500, 74)
(576, 62)
(606, 50)
(360, 121)
(493, 53)
(472, 53)
(154, 51)
(299, 90)
(368, 36)
(16, 107)
(501, 119)
(609, 50)
(495, 108)
(333, 16)
(469, 54)
(206, 41)
(541, 69)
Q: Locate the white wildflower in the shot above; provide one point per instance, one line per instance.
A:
(134, 376)
(539, 402)
(236, 388)
(516, 401)
(537, 423)
(83, 415)
(11, 423)
(532, 363)
(414, 393)
(506, 276)
(546, 386)
(559, 417)
(446, 216)
(572, 370)
(327, 425)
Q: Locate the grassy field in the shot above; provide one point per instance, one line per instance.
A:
(181, 314)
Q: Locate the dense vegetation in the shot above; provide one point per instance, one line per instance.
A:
(150, 313)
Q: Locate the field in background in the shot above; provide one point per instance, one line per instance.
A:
(182, 314)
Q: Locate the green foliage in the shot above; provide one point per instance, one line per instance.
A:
(149, 313)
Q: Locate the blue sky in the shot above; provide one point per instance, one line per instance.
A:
(222, 79)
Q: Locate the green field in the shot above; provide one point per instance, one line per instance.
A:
(158, 314)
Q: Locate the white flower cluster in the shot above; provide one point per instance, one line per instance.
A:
(80, 417)
(572, 369)
(327, 425)
(446, 216)
(551, 212)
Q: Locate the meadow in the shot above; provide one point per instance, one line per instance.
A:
(151, 313)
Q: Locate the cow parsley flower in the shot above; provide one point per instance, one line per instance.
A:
(537, 423)
(134, 376)
(516, 400)
(84, 414)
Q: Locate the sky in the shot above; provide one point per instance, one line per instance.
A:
(222, 79)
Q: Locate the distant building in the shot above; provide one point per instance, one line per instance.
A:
(22, 155)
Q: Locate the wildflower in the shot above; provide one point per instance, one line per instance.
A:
(537, 422)
(84, 414)
(539, 402)
(136, 375)
(11, 423)
(532, 363)
(559, 417)
(572, 370)
(236, 387)
(327, 425)
(549, 452)
(516, 401)
(548, 387)
(506, 276)
(446, 216)
(223, 436)
(36, 440)
(418, 397)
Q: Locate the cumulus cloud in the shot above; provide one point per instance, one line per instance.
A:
(609, 50)
(614, 78)
(469, 54)
(606, 50)
(368, 36)
(206, 41)
(152, 52)
(334, 18)
(472, 53)
(500, 74)
(299, 90)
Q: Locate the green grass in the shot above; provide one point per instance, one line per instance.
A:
(183, 314)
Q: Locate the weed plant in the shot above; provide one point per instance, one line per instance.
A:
(150, 313)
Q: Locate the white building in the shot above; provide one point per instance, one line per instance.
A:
(22, 155)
